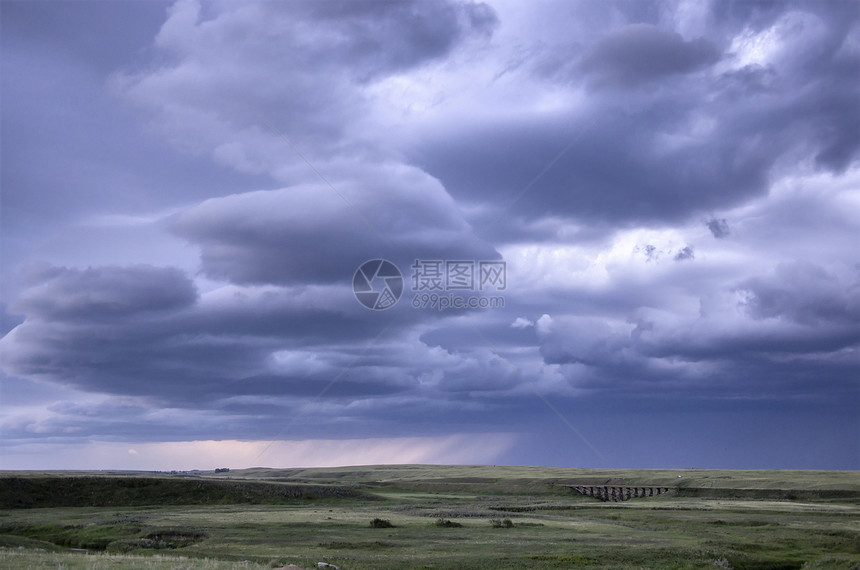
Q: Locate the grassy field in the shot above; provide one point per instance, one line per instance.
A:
(268, 518)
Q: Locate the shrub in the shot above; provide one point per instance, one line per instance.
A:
(174, 538)
(505, 523)
(129, 544)
(447, 523)
(381, 523)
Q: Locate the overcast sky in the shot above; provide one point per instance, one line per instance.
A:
(189, 188)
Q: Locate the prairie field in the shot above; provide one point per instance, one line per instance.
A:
(423, 516)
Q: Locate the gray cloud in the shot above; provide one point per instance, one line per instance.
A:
(804, 293)
(591, 147)
(273, 236)
(640, 53)
(685, 252)
(315, 62)
(719, 227)
(376, 37)
(687, 145)
(103, 293)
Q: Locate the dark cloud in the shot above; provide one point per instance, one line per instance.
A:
(615, 161)
(103, 293)
(58, 173)
(137, 331)
(839, 130)
(685, 252)
(686, 145)
(255, 154)
(273, 236)
(650, 252)
(719, 227)
(640, 53)
(804, 293)
(645, 360)
(315, 62)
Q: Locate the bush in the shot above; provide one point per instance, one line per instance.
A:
(381, 523)
(447, 523)
(127, 545)
(506, 523)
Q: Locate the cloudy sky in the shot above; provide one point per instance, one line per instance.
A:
(189, 188)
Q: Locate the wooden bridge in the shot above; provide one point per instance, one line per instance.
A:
(618, 492)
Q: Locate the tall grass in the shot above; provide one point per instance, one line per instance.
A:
(18, 558)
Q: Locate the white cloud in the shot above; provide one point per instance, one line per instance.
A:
(794, 38)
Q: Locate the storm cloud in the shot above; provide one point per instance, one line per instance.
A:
(640, 53)
(189, 188)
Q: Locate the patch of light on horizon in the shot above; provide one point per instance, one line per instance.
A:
(205, 455)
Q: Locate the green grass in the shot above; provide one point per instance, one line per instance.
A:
(758, 479)
(100, 491)
(551, 526)
(76, 561)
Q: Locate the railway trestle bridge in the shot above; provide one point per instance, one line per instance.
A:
(618, 492)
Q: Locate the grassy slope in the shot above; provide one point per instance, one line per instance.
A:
(761, 479)
(502, 475)
(519, 479)
(104, 490)
(553, 526)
